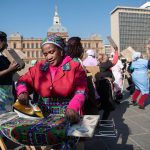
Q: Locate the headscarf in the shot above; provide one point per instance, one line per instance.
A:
(90, 52)
(54, 39)
(136, 55)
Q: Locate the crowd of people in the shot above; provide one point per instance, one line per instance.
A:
(61, 83)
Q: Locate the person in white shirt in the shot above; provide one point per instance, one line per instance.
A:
(90, 60)
(118, 83)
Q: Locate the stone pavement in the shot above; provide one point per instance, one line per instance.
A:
(133, 127)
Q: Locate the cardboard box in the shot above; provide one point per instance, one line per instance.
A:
(12, 55)
(93, 70)
(127, 53)
(112, 43)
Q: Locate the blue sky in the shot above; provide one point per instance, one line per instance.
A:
(32, 18)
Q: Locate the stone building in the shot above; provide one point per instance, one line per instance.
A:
(31, 46)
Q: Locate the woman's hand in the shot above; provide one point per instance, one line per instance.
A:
(14, 67)
(72, 116)
(23, 98)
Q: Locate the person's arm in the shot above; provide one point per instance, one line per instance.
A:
(13, 67)
(115, 57)
(78, 99)
(25, 86)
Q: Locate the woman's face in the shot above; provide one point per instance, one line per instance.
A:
(100, 57)
(105, 58)
(52, 54)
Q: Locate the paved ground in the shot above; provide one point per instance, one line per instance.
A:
(133, 127)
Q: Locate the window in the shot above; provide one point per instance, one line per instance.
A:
(14, 45)
(28, 53)
(32, 53)
(36, 45)
(41, 54)
(23, 45)
(37, 54)
(96, 45)
(89, 45)
(32, 45)
(28, 46)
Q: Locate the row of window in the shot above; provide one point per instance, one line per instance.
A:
(39, 54)
(136, 29)
(128, 39)
(134, 16)
(88, 45)
(137, 10)
(130, 32)
(139, 22)
(31, 45)
(28, 45)
(37, 45)
(130, 35)
(134, 22)
(34, 54)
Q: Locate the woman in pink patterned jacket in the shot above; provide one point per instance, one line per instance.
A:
(60, 81)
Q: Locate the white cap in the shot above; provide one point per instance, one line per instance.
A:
(136, 55)
(90, 52)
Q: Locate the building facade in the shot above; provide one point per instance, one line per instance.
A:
(93, 42)
(130, 26)
(31, 46)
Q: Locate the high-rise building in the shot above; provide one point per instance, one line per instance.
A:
(31, 46)
(130, 26)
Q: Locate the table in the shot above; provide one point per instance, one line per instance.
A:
(45, 131)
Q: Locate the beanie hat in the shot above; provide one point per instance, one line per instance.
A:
(54, 39)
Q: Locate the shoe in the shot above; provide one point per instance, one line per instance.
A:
(141, 107)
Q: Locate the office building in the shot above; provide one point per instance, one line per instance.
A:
(130, 26)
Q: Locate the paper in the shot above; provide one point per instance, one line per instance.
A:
(93, 70)
(127, 53)
(85, 128)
